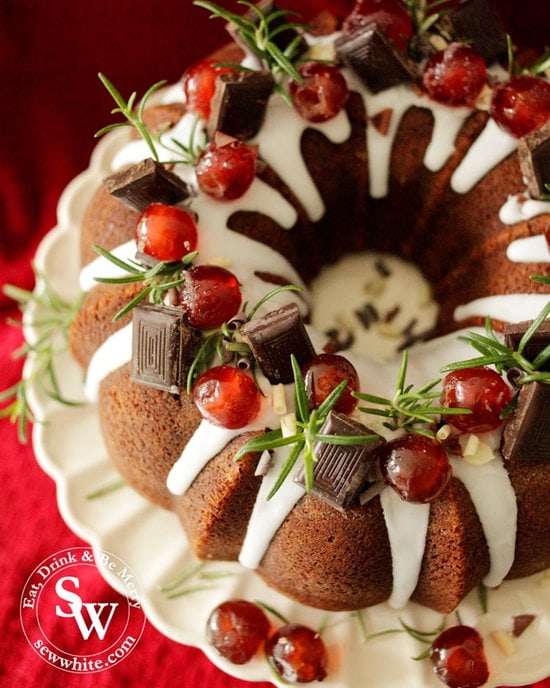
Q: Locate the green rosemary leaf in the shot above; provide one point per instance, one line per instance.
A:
(270, 295)
(402, 371)
(483, 597)
(372, 398)
(386, 413)
(542, 358)
(284, 63)
(535, 377)
(302, 406)
(115, 94)
(189, 591)
(541, 279)
(128, 279)
(110, 127)
(287, 466)
(218, 11)
(182, 577)
(115, 260)
(269, 609)
(332, 399)
(509, 408)
(133, 303)
(106, 489)
(22, 296)
(533, 327)
(267, 441)
(485, 341)
(202, 359)
(155, 87)
(473, 363)
(413, 429)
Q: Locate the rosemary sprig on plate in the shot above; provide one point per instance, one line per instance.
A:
(308, 424)
(157, 279)
(223, 339)
(52, 321)
(258, 37)
(409, 409)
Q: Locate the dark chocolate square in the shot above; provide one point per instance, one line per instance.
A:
(274, 337)
(340, 472)
(513, 332)
(162, 346)
(374, 59)
(145, 183)
(238, 106)
(475, 23)
(526, 436)
(534, 160)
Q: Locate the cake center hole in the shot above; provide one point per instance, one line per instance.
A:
(373, 304)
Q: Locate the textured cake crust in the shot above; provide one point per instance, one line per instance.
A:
(349, 563)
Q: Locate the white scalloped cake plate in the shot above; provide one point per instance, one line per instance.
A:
(69, 448)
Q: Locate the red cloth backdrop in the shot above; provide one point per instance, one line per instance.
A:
(51, 104)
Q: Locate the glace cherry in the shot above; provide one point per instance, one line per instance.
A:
(225, 172)
(166, 232)
(458, 658)
(390, 16)
(322, 94)
(227, 396)
(325, 372)
(236, 629)
(210, 295)
(297, 654)
(199, 84)
(521, 104)
(455, 76)
(482, 391)
(416, 467)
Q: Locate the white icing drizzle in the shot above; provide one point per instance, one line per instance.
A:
(407, 525)
(268, 515)
(207, 441)
(101, 267)
(505, 307)
(495, 501)
(519, 208)
(529, 250)
(490, 148)
(279, 142)
(115, 352)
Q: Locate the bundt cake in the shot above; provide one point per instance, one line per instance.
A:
(244, 322)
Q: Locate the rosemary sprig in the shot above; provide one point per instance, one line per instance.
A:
(157, 280)
(503, 358)
(408, 408)
(223, 339)
(539, 67)
(52, 324)
(426, 637)
(422, 13)
(185, 153)
(258, 36)
(308, 424)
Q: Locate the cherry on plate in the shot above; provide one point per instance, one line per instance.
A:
(297, 654)
(458, 658)
(236, 629)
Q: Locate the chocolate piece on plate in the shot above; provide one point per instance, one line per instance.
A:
(374, 59)
(239, 102)
(146, 182)
(341, 471)
(526, 436)
(513, 332)
(475, 23)
(534, 160)
(162, 347)
(274, 337)
(282, 40)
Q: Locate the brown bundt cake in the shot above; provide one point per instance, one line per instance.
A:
(369, 156)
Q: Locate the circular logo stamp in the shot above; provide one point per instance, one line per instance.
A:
(71, 621)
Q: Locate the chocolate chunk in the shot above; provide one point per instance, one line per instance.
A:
(282, 40)
(513, 332)
(522, 623)
(145, 183)
(526, 436)
(239, 102)
(534, 160)
(341, 471)
(163, 346)
(374, 59)
(367, 315)
(474, 22)
(274, 337)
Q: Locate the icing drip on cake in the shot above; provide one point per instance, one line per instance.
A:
(504, 307)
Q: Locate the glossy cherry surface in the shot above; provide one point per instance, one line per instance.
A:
(199, 84)
(226, 172)
(166, 232)
(210, 295)
(325, 372)
(458, 658)
(455, 76)
(237, 629)
(391, 17)
(227, 396)
(521, 104)
(297, 654)
(322, 94)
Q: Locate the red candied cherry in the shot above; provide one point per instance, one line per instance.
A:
(236, 629)
(547, 235)
(166, 232)
(297, 654)
(391, 17)
(210, 295)
(416, 467)
(521, 104)
(226, 171)
(227, 396)
(199, 84)
(321, 95)
(455, 76)
(458, 658)
(325, 372)
(482, 391)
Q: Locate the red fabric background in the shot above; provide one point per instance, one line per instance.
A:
(51, 104)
